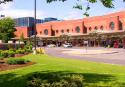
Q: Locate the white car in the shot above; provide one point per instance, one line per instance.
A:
(51, 45)
(67, 45)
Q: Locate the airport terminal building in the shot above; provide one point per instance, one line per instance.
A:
(97, 30)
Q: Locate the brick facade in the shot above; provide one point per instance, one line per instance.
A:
(24, 30)
(111, 22)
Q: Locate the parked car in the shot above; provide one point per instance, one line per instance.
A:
(51, 45)
(67, 45)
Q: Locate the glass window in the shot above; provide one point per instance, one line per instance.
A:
(90, 28)
(112, 25)
(101, 27)
(96, 28)
(46, 32)
(57, 31)
(40, 32)
(120, 25)
(62, 31)
(67, 30)
(77, 29)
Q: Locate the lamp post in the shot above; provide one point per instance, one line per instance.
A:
(34, 27)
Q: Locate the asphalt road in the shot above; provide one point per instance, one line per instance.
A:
(114, 58)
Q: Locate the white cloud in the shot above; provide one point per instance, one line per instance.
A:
(5, 6)
(73, 15)
(15, 13)
(7, 10)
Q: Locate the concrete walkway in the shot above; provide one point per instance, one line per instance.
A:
(112, 58)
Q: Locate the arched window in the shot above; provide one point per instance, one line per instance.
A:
(46, 32)
(40, 32)
(77, 29)
(67, 30)
(57, 31)
(90, 28)
(101, 28)
(112, 25)
(120, 25)
(96, 28)
(62, 31)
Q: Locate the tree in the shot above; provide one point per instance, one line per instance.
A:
(22, 37)
(79, 4)
(4, 1)
(7, 29)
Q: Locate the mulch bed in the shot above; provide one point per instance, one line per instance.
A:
(5, 66)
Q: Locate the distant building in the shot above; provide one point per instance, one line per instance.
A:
(26, 21)
(111, 27)
(50, 19)
(25, 25)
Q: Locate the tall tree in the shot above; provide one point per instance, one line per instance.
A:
(22, 37)
(85, 8)
(7, 29)
(79, 4)
(4, 1)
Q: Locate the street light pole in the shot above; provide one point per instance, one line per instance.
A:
(35, 26)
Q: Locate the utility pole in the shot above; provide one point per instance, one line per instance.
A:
(34, 27)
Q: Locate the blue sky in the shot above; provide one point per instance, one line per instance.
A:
(21, 8)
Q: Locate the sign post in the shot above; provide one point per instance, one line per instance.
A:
(86, 45)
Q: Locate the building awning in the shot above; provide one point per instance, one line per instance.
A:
(17, 38)
(42, 36)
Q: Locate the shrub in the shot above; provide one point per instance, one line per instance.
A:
(11, 53)
(28, 48)
(4, 54)
(20, 51)
(13, 61)
(55, 80)
(7, 53)
(0, 51)
(40, 51)
(1, 57)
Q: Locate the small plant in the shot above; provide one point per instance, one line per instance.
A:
(1, 57)
(20, 51)
(4, 54)
(13, 61)
(11, 53)
(55, 80)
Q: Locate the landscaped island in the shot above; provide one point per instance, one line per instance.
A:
(92, 74)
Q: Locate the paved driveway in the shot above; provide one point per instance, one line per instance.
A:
(112, 58)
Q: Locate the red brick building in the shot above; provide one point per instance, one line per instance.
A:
(111, 23)
(22, 30)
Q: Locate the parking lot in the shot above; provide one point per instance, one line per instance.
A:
(112, 55)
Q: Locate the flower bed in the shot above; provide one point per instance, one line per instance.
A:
(9, 58)
(13, 63)
(5, 66)
(15, 52)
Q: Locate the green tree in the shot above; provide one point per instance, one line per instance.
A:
(7, 29)
(85, 8)
(4, 1)
(22, 37)
(79, 4)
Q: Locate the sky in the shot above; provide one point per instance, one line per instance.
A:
(60, 10)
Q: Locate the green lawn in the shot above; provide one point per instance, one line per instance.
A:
(94, 74)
